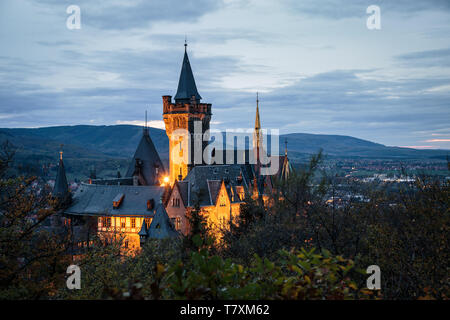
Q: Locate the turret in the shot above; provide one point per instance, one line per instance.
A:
(143, 233)
(61, 189)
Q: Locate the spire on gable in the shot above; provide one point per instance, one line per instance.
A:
(60, 189)
(186, 84)
(161, 226)
(286, 168)
(143, 232)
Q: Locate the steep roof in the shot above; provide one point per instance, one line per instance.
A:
(60, 189)
(206, 181)
(286, 168)
(161, 227)
(94, 199)
(186, 83)
(183, 189)
(257, 121)
(143, 231)
(145, 162)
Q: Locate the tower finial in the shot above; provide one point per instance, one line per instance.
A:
(145, 124)
(61, 152)
(185, 43)
(285, 146)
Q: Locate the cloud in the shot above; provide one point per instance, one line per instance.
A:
(121, 15)
(152, 123)
(438, 140)
(342, 9)
(425, 59)
(419, 147)
(129, 53)
(344, 101)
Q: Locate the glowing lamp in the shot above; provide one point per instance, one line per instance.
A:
(165, 181)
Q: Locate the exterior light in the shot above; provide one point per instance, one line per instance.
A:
(165, 181)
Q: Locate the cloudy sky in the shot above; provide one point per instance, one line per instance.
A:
(317, 66)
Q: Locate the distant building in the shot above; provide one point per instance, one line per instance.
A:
(150, 202)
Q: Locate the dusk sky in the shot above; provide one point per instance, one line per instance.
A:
(317, 66)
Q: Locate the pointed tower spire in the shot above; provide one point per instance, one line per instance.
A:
(257, 121)
(186, 84)
(257, 137)
(60, 189)
(286, 168)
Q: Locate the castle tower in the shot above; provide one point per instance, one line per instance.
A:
(186, 122)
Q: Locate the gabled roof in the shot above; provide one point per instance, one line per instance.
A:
(183, 189)
(214, 189)
(145, 161)
(161, 227)
(207, 180)
(60, 189)
(95, 199)
(186, 83)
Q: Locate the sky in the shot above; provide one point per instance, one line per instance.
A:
(317, 67)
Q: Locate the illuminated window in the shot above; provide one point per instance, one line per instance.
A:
(123, 222)
(108, 222)
(178, 223)
(175, 202)
(133, 222)
(222, 202)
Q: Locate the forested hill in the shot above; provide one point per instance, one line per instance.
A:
(120, 141)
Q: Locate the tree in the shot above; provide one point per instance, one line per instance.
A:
(199, 233)
(32, 254)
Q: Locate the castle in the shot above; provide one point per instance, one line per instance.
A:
(151, 202)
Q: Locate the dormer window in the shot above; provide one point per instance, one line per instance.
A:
(117, 201)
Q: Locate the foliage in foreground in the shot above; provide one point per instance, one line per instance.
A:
(302, 274)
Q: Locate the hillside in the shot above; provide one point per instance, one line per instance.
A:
(85, 142)
(350, 147)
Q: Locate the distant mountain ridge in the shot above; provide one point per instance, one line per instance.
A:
(120, 141)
